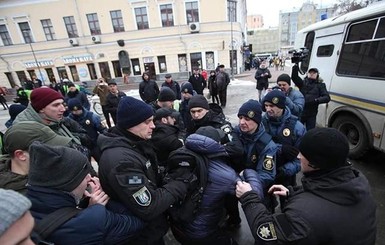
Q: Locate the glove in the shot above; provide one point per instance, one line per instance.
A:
(289, 152)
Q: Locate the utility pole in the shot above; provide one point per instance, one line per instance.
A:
(33, 54)
(232, 2)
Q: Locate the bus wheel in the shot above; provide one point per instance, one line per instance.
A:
(356, 133)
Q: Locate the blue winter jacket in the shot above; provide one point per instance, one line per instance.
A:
(275, 127)
(295, 102)
(262, 161)
(221, 181)
(93, 225)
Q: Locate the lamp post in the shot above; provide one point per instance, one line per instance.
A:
(231, 8)
(33, 54)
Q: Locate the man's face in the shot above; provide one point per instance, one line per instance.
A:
(144, 129)
(304, 164)
(196, 72)
(81, 188)
(186, 96)
(19, 232)
(168, 79)
(284, 86)
(272, 110)
(77, 112)
(166, 104)
(198, 113)
(247, 125)
(312, 75)
(113, 88)
(54, 110)
(168, 120)
(145, 76)
(72, 89)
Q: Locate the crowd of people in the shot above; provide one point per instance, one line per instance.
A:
(171, 161)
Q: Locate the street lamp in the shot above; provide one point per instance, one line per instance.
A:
(33, 53)
(231, 8)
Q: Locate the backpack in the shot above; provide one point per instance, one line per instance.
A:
(184, 211)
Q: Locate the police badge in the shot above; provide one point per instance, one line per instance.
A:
(286, 132)
(88, 122)
(268, 163)
(275, 100)
(266, 232)
(142, 197)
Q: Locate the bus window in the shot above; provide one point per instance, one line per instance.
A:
(325, 51)
(309, 41)
(362, 54)
(381, 29)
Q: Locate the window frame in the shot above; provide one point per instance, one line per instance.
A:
(4, 35)
(48, 29)
(117, 21)
(93, 24)
(143, 17)
(70, 24)
(194, 11)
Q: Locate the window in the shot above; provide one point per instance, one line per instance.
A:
(10, 79)
(136, 66)
(22, 77)
(117, 69)
(166, 15)
(325, 51)
(48, 29)
(141, 18)
(5, 37)
(182, 60)
(363, 52)
(309, 41)
(117, 21)
(210, 63)
(105, 70)
(69, 22)
(92, 71)
(162, 64)
(192, 13)
(26, 32)
(93, 23)
(232, 11)
(196, 60)
(74, 73)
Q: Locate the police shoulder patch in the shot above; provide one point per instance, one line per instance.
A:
(266, 232)
(268, 163)
(142, 197)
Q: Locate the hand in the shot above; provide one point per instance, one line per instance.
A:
(289, 152)
(279, 190)
(97, 197)
(241, 188)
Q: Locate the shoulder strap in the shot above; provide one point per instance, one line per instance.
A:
(54, 220)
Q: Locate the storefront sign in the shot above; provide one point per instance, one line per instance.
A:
(148, 59)
(77, 59)
(40, 63)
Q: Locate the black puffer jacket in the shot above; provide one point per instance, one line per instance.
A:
(314, 91)
(333, 207)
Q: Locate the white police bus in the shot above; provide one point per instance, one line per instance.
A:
(349, 52)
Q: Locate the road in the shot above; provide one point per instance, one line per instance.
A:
(242, 89)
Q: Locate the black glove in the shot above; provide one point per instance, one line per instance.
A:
(289, 152)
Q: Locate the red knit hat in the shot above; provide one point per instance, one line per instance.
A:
(41, 97)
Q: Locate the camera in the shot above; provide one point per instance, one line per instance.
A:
(298, 55)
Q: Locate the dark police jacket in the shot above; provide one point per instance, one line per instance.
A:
(332, 207)
(128, 172)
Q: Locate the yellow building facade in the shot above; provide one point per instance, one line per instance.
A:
(83, 40)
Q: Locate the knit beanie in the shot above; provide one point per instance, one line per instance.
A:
(187, 88)
(198, 101)
(13, 206)
(41, 97)
(284, 78)
(57, 167)
(211, 132)
(251, 109)
(325, 148)
(276, 97)
(166, 94)
(131, 112)
(15, 110)
(74, 105)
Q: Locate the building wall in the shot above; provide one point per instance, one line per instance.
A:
(254, 21)
(264, 40)
(213, 41)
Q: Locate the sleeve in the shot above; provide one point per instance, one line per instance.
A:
(257, 75)
(95, 90)
(266, 167)
(295, 77)
(178, 94)
(141, 91)
(324, 96)
(86, 102)
(296, 105)
(268, 71)
(291, 168)
(156, 88)
(98, 124)
(204, 82)
(268, 229)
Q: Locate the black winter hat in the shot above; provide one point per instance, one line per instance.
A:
(132, 112)
(187, 88)
(211, 132)
(276, 97)
(284, 78)
(325, 148)
(162, 113)
(198, 101)
(166, 94)
(57, 167)
(251, 109)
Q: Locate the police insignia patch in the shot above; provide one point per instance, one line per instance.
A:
(286, 132)
(250, 114)
(266, 232)
(268, 163)
(275, 100)
(142, 197)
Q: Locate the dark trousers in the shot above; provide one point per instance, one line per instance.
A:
(219, 237)
(223, 97)
(106, 115)
(309, 122)
(215, 98)
(231, 206)
(3, 102)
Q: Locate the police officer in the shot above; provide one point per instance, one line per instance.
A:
(294, 98)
